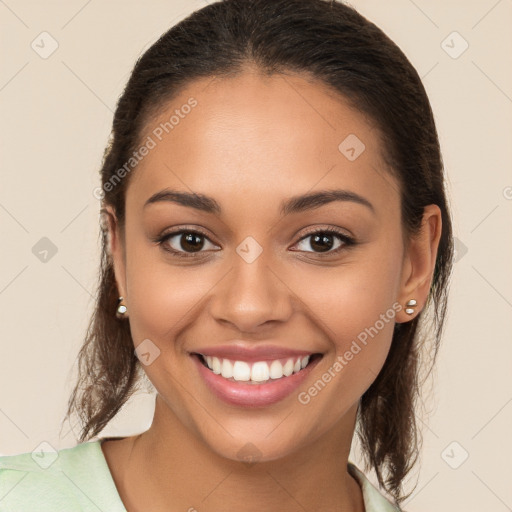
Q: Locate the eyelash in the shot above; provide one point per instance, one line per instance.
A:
(347, 241)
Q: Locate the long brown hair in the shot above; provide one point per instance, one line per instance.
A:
(334, 44)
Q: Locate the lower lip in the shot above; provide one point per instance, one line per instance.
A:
(252, 395)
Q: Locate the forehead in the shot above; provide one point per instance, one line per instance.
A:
(262, 137)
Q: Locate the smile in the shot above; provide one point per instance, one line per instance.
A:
(256, 372)
(254, 383)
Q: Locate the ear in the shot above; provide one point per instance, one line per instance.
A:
(116, 248)
(419, 263)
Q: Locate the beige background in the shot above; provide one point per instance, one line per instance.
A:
(56, 114)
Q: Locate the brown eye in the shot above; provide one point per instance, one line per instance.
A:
(325, 241)
(322, 243)
(185, 242)
(191, 242)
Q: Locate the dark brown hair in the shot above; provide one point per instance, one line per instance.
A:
(335, 45)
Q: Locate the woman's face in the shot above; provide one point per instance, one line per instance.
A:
(257, 276)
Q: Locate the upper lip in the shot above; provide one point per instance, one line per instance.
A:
(254, 353)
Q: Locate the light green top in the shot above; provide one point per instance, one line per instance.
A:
(78, 479)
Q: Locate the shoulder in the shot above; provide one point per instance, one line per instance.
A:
(70, 479)
(374, 501)
(35, 479)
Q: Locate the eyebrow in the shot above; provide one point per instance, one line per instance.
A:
(295, 204)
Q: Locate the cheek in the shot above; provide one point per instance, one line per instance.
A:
(356, 310)
(355, 305)
(352, 296)
(357, 313)
(162, 297)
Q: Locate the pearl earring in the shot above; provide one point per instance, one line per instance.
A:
(410, 307)
(121, 309)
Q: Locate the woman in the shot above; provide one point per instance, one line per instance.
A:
(275, 231)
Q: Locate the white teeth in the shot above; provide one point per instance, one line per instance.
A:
(241, 371)
(216, 367)
(260, 371)
(288, 368)
(227, 369)
(276, 370)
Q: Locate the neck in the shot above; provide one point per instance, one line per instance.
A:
(169, 468)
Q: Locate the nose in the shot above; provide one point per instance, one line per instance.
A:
(251, 295)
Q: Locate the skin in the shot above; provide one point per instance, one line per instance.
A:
(251, 143)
